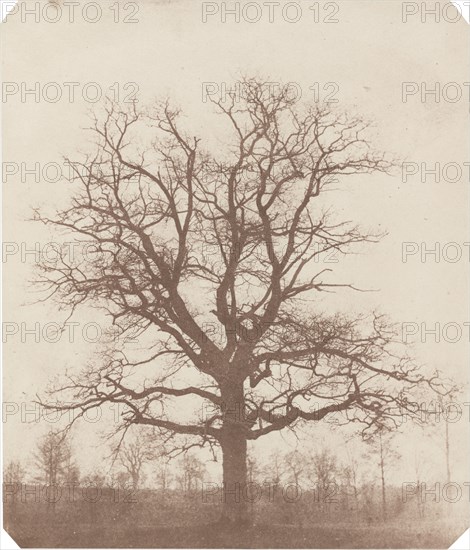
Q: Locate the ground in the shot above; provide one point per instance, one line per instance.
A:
(397, 535)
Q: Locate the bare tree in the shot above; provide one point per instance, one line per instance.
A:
(419, 466)
(444, 407)
(70, 471)
(324, 471)
(96, 478)
(253, 468)
(120, 479)
(133, 456)
(13, 477)
(164, 479)
(274, 470)
(253, 472)
(295, 465)
(352, 468)
(192, 473)
(381, 443)
(13, 472)
(54, 459)
(189, 243)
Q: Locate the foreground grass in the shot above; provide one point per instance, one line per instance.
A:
(334, 535)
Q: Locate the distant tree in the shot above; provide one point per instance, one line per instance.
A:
(13, 472)
(382, 445)
(369, 500)
(274, 469)
(192, 472)
(121, 479)
(254, 473)
(253, 468)
(164, 478)
(134, 455)
(71, 471)
(95, 479)
(53, 459)
(445, 404)
(13, 477)
(324, 468)
(419, 468)
(295, 465)
(351, 472)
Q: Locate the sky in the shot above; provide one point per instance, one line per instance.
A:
(166, 50)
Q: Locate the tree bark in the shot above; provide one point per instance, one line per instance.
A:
(234, 456)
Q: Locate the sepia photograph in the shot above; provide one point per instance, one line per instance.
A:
(235, 266)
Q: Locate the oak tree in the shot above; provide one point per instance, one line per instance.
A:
(209, 256)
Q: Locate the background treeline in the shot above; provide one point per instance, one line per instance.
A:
(141, 486)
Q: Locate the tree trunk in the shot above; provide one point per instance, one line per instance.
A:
(447, 452)
(234, 457)
(135, 480)
(382, 474)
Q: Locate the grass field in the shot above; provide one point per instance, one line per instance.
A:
(185, 521)
(333, 535)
